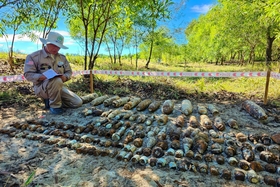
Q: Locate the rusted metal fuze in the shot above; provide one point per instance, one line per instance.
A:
(254, 110)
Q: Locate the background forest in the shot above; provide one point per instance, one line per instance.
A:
(240, 31)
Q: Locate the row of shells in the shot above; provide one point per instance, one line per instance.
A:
(167, 107)
(177, 147)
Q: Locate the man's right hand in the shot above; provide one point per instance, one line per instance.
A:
(42, 78)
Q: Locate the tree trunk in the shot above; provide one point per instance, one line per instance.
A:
(150, 54)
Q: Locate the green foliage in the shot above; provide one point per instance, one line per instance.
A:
(30, 179)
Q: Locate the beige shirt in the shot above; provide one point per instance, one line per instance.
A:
(40, 61)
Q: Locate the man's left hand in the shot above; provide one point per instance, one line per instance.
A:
(63, 78)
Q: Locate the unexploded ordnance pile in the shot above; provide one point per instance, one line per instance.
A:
(158, 134)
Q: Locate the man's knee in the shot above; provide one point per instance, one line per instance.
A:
(56, 82)
(77, 102)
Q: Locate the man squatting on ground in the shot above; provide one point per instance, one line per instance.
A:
(54, 93)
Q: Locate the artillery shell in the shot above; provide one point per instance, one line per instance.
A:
(193, 122)
(128, 156)
(113, 153)
(189, 154)
(226, 174)
(109, 133)
(51, 140)
(232, 161)
(197, 156)
(140, 134)
(269, 180)
(274, 148)
(94, 131)
(187, 144)
(248, 154)
(157, 152)
(135, 158)
(206, 122)
(62, 143)
(179, 153)
(267, 156)
(241, 137)
(162, 134)
(259, 148)
(230, 151)
(109, 101)
(252, 177)
(214, 171)
(180, 121)
(147, 151)
(167, 107)
(216, 148)
(256, 166)
(254, 110)
(170, 152)
(154, 106)
(139, 151)
(201, 146)
(143, 104)
(121, 155)
(186, 107)
(133, 117)
(219, 124)
(271, 168)
(150, 120)
(213, 133)
(151, 142)
(244, 164)
(117, 135)
(266, 140)
(120, 102)
(138, 142)
(141, 118)
(162, 144)
(86, 138)
(128, 139)
(143, 160)
(202, 168)
(172, 165)
(254, 138)
(113, 114)
(97, 112)
(220, 159)
(79, 129)
(232, 123)
(75, 145)
(88, 98)
(134, 101)
(96, 152)
(208, 157)
(161, 162)
(70, 143)
(175, 144)
(99, 100)
(218, 140)
(201, 109)
(162, 119)
(213, 109)
(239, 175)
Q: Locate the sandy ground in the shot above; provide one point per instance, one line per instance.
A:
(58, 166)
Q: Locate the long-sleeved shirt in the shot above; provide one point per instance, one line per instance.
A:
(40, 61)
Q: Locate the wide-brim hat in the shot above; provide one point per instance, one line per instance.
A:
(55, 39)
